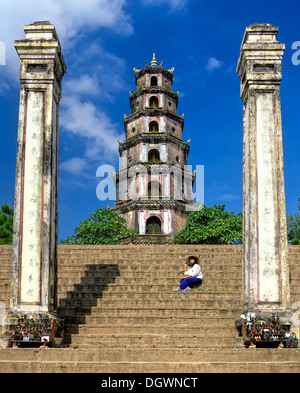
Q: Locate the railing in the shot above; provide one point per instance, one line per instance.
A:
(153, 239)
(148, 239)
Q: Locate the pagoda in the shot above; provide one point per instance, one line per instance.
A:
(154, 185)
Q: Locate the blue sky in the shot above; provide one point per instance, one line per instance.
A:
(102, 41)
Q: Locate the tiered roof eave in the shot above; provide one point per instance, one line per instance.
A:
(153, 70)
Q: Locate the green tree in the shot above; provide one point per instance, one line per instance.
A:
(6, 224)
(211, 225)
(293, 226)
(102, 227)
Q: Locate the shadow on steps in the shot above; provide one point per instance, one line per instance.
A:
(78, 303)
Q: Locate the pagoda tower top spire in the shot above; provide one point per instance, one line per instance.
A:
(154, 61)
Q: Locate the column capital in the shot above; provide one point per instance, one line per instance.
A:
(259, 64)
(40, 55)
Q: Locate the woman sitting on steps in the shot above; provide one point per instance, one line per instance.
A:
(191, 276)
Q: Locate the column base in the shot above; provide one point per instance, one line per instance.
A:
(262, 325)
(17, 321)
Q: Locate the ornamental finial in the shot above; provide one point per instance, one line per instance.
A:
(154, 62)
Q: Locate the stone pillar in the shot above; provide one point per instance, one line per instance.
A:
(35, 219)
(266, 273)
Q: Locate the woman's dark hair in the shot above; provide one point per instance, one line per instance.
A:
(194, 258)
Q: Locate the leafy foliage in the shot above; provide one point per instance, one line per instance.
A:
(211, 225)
(102, 227)
(293, 226)
(6, 224)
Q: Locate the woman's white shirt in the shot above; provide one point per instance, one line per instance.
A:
(194, 271)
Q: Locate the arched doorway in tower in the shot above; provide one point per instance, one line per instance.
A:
(153, 156)
(153, 226)
(153, 126)
(153, 102)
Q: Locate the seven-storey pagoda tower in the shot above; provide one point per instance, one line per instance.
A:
(154, 187)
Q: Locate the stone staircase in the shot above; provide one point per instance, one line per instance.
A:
(294, 264)
(149, 361)
(121, 314)
(123, 297)
(5, 278)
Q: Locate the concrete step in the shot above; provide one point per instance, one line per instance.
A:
(153, 341)
(138, 330)
(148, 367)
(102, 271)
(295, 283)
(150, 287)
(145, 301)
(198, 294)
(150, 360)
(120, 277)
(180, 249)
(141, 282)
(94, 320)
(144, 267)
(227, 340)
(151, 312)
(260, 355)
(206, 321)
(145, 305)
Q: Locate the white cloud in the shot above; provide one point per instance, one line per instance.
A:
(85, 84)
(72, 19)
(85, 120)
(105, 73)
(213, 64)
(229, 197)
(4, 87)
(75, 165)
(79, 115)
(175, 5)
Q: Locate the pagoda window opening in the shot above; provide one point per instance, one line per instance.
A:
(138, 185)
(153, 156)
(153, 81)
(153, 126)
(153, 102)
(153, 226)
(154, 190)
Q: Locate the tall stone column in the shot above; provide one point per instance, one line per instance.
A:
(35, 219)
(266, 273)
